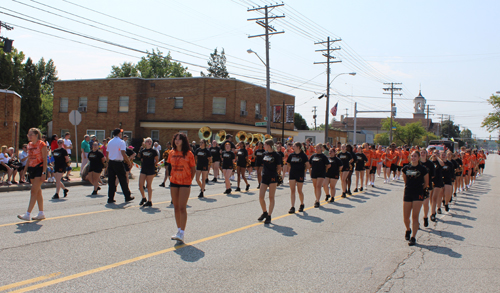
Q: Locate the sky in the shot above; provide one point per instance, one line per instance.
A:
(450, 50)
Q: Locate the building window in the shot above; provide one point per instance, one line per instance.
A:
(312, 139)
(179, 102)
(155, 135)
(219, 106)
(102, 106)
(243, 105)
(151, 105)
(99, 134)
(63, 105)
(63, 131)
(123, 107)
(257, 109)
(82, 102)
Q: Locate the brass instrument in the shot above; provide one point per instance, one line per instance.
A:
(241, 136)
(220, 137)
(250, 138)
(205, 133)
(267, 136)
(256, 138)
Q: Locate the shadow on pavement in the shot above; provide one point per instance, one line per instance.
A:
(188, 253)
(308, 217)
(285, 231)
(456, 223)
(150, 210)
(343, 205)
(460, 210)
(234, 195)
(97, 195)
(350, 198)
(58, 200)
(28, 227)
(333, 211)
(208, 199)
(446, 234)
(465, 206)
(463, 217)
(441, 250)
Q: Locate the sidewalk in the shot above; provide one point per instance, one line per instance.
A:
(74, 181)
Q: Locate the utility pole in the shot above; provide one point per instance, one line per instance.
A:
(428, 123)
(314, 116)
(7, 43)
(269, 30)
(392, 89)
(329, 59)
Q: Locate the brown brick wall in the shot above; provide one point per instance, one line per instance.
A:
(10, 119)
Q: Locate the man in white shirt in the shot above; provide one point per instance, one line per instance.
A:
(68, 146)
(23, 157)
(157, 147)
(116, 156)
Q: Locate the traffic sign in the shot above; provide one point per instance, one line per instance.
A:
(75, 117)
(260, 123)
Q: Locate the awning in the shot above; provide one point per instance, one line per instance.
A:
(215, 127)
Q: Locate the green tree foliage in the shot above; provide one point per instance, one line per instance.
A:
(381, 138)
(449, 129)
(492, 121)
(153, 65)
(299, 122)
(31, 101)
(217, 65)
(48, 75)
(404, 135)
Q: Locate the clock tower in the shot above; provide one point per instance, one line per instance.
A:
(419, 106)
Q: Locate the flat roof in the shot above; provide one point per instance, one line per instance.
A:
(10, 92)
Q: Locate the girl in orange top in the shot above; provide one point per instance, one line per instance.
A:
(368, 166)
(37, 164)
(183, 171)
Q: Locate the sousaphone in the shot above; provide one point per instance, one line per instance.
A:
(220, 137)
(241, 136)
(205, 133)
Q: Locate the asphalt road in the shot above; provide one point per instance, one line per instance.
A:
(353, 245)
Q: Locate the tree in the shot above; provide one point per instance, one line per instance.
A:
(47, 74)
(449, 129)
(30, 102)
(404, 135)
(381, 138)
(46, 107)
(217, 65)
(153, 65)
(299, 122)
(492, 121)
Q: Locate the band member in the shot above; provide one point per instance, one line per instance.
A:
(168, 167)
(350, 150)
(183, 171)
(272, 163)
(361, 161)
(448, 172)
(259, 156)
(61, 159)
(346, 159)
(332, 175)
(416, 179)
(437, 194)
(297, 162)
(96, 160)
(215, 153)
(241, 165)
(149, 159)
(203, 159)
(319, 166)
(228, 159)
(427, 195)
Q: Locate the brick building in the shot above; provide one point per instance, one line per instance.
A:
(161, 107)
(11, 118)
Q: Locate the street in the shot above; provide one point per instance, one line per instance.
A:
(353, 245)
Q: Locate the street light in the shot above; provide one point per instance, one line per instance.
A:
(328, 101)
(268, 88)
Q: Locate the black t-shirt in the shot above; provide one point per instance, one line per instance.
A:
(227, 159)
(345, 158)
(242, 155)
(148, 158)
(95, 159)
(415, 179)
(297, 162)
(215, 152)
(60, 158)
(448, 170)
(335, 165)
(129, 152)
(430, 169)
(438, 172)
(353, 155)
(202, 156)
(459, 165)
(361, 160)
(259, 156)
(318, 163)
(271, 161)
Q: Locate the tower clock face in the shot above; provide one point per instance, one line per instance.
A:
(419, 107)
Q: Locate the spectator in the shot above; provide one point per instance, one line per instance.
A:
(23, 158)
(157, 147)
(85, 146)
(50, 166)
(68, 146)
(53, 144)
(4, 164)
(14, 164)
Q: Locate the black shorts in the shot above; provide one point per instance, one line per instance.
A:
(438, 184)
(447, 182)
(252, 164)
(334, 176)
(241, 164)
(3, 168)
(201, 168)
(458, 174)
(268, 180)
(148, 172)
(58, 169)
(373, 170)
(296, 176)
(258, 164)
(394, 168)
(481, 166)
(399, 168)
(178, 185)
(360, 169)
(473, 173)
(414, 197)
(315, 175)
(95, 169)
(345, 169)
(426, 194)
(35, 171)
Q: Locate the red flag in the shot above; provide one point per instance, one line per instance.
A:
(334, 110)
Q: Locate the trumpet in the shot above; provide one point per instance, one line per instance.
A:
(241, 136)
(205, 133)
(220, 137)
(250, 138)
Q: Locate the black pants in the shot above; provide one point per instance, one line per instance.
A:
(117, 169)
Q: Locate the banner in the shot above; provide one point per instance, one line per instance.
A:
(277, 113)
(290, 112)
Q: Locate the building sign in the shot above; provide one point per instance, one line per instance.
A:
(290, 113)
(277, 113)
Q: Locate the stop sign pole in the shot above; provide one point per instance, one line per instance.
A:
(75, 118)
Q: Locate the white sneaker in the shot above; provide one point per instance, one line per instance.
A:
(24, 217)
(53, 179)
(39, 217)
(179, 236)
(249, 177)
(232, 178)
(9, 183)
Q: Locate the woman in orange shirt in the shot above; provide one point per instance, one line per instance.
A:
(183, 171)
(37, 164)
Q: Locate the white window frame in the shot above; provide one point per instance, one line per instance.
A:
(123, 104)
(102, 105)
(63, 105)
(63, 131)
(243, 105)
(178, 102)
(155, 137)
(151, 105)
(82, 101)
(184, 131)
(257, 108)
(219, 106)
(99, 134)
(312, 138)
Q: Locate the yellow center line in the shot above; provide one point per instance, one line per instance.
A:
(149, 255)
(26, 282)
(103, 211)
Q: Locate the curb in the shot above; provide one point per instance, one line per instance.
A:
(44, 186)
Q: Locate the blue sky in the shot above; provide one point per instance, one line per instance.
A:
(451, 49)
